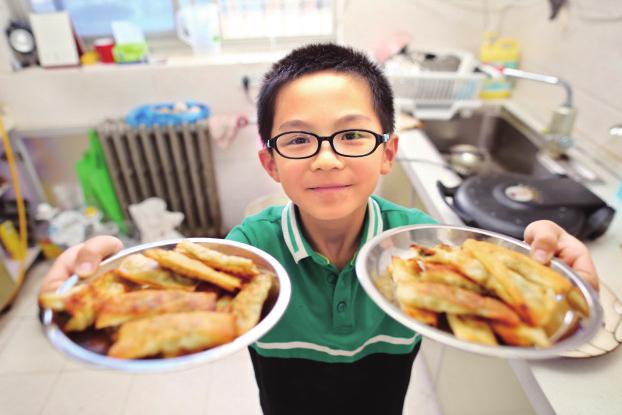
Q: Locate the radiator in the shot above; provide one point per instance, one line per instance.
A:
(173, 163)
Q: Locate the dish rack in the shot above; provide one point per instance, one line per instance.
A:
(434, 85)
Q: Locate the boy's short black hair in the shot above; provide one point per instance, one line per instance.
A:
(320, 57)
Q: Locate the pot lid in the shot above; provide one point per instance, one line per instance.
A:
(507, 203)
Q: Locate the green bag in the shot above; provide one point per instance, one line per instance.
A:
(97, 185)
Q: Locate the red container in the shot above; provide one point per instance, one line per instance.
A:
(103, 47)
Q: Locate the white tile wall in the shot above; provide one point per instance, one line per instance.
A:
(586, 53)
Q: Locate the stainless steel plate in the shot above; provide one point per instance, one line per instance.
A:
(278, 304)
(376, 254)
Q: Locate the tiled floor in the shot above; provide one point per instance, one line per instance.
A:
(37, 379)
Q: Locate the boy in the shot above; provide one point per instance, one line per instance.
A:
(325, 115)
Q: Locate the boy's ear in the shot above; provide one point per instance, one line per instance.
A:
(390, 152)
(267, 162)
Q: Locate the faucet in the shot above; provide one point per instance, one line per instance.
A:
(557, 137)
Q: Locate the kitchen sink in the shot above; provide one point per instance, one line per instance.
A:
(501, 202)
(511, 146)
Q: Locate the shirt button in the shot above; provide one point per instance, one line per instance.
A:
(341, 306)
(332, 278)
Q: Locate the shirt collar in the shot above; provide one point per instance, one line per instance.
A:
(298, 246)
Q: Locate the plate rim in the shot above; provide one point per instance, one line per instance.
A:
(443, 337)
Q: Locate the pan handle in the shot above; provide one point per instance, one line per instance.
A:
(449, 192)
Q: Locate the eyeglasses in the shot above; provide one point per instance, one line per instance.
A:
(347, 143)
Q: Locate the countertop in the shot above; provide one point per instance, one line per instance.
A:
(564, 385)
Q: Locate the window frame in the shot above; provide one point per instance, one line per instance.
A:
(168, 44)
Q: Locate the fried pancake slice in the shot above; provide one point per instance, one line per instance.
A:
(529, 268)
(145, 303)
(576, 299)
(419, 314)
(537, 296)
(248, 303)
(83, 301)
(462, 261)
(404, 269)
(83, 308)
(223, 304)
(521, 335)
(173, 334)
(471, 329)
(445, 298)
(540, 301)
(447, 274)
(500, 274)
(424, 251)
(243, 267)
(193, 268)
(55, 301)
(384, 284)
(146, 271)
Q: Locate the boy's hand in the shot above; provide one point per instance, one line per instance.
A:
(547, 239)
(82, 259)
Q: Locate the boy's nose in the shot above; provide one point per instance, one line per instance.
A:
(326, 158)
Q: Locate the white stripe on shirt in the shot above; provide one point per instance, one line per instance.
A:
(337, 352)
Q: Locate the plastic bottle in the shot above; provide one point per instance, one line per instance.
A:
(502, 51)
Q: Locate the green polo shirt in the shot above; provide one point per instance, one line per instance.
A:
(329, 318)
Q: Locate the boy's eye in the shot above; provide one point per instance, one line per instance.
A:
(354, 135)
(295, 140)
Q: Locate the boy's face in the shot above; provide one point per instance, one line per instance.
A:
(328, 186)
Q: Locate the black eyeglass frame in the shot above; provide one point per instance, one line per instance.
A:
(380, 139)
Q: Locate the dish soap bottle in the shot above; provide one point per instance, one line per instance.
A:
(502, 51)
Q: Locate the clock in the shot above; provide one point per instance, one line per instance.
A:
(22, 42)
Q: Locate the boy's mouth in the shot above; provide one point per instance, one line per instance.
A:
(329, 187)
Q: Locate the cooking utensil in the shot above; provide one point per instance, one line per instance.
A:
(507, 203)
(467, 159)
(275, 306)
(376, 254)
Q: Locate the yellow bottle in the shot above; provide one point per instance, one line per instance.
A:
(10, 240)
(502, 51)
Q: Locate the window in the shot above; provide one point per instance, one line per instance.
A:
(240, 20)
(245, 19)
(92, 18)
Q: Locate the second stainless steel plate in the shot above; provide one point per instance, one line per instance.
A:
(376, 254)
